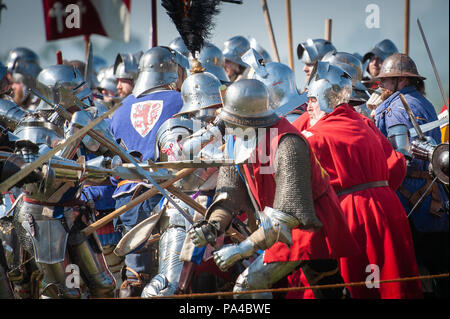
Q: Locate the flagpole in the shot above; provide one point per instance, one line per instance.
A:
(153, 26)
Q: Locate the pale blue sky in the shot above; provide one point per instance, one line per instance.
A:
(22, 24)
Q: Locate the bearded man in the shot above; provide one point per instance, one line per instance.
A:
(429, 221)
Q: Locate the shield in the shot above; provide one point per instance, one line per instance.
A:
(144, 115)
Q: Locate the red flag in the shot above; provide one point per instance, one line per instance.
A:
(67, 18)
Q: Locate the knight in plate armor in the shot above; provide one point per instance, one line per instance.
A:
(49, 215)
(200, 92)
(155, 99)
(279, 195)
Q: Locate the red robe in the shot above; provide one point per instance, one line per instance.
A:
(353, 152)
(333, 240)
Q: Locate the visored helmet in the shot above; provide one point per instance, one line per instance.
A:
(278, 78)
(246, 104)
(212, 59)
(330, 85)
(172, 132)
(25, 54)
(52, 79)
(107, 80)
(25, 73)
(255, 45)
(234, 48)
(313, 50)
(353, 66)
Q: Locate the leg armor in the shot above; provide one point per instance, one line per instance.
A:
(173, 233)
(87, 254)
(46, 239)
(93, 269)
(115, 263)
(54, 282)
(170, 266)
(262, 276)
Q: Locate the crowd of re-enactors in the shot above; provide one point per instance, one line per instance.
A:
(356, 193)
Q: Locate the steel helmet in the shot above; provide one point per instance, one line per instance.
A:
(399, 65)
(212, 59)
(246, 104)
(200, 91)
(158, 67)
(126, 66)
(51, 79)
(313, 50)
(330, 85)
(353, 66)
(382, 50)
(234, 48)
(21, 53)
(178, 44)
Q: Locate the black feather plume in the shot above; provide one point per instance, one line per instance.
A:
(193, 20)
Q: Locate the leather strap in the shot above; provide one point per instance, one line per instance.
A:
(413, 198)
(361, 187)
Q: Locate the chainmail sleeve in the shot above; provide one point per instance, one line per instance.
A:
(230, 182)
(292, 173)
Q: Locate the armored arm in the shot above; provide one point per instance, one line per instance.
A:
(293, 204)
(231, 199)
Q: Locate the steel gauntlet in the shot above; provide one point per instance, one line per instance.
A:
(204, 232)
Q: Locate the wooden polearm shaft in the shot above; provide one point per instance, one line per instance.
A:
(328, 23)
(87, 40)
(133, 203)
(270, 29)
(289, 34)
(202, 210)
(406, 29)
(12, 180)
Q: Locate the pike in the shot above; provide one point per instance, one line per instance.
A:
(270, 29)
(88, 69)
(133, 203)
(438, 79)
